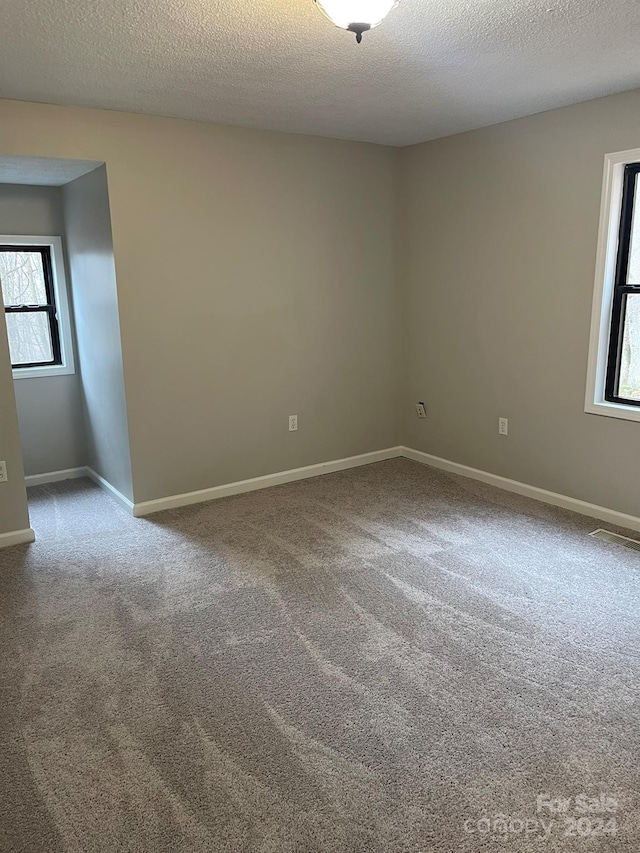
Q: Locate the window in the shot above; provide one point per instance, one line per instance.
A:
(35, 305)
(614, 358)
(30, 306)
(623, 368)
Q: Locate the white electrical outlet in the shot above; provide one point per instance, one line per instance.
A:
(503, 426)
(3, 472)
(293, 423)
(421, 411)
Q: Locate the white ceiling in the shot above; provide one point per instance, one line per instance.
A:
(433, 68)
(42, 171)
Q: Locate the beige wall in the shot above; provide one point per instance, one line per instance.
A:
(262, 274)
(256, 278)
(49, 409)
(501, 230)
(95, 300)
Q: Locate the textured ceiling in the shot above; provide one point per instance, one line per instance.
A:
(433, 68)
(42, 171)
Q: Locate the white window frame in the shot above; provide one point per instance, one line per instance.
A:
(62, 308)
(606, 257)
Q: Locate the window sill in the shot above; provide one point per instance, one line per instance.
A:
(614, 410)
(42, 372)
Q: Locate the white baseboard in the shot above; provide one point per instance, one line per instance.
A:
(56, 476)
(75, 474)
(17, 537)
(621, 519)
(104, 484)
(611, 516)
(174, 501)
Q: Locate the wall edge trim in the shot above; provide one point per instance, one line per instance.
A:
(612, 516)
(107, 487)
(17, 537)
(255, 483)
(145, 508)
(56, 476)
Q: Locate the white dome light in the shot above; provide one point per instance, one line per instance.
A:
(357, 16)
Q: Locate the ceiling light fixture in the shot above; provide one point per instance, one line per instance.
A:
(357, 16)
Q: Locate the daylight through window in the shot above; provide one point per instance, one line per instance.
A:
(623, 366)
(26, 281)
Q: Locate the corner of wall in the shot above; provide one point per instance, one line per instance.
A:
(95, 299)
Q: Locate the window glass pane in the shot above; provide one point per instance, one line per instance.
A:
(29, 338)
(630, 361)
(22, 278)
(633, 272)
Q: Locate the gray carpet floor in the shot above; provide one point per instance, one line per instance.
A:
(385, 659)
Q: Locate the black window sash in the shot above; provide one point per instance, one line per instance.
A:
(49, 308)
(622, 288)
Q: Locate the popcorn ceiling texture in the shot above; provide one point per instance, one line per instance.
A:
(43, 171)
(435, 67)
